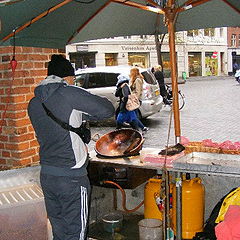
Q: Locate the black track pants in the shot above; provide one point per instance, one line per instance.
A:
(66, 200)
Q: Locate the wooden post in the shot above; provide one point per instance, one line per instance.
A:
(171, 14)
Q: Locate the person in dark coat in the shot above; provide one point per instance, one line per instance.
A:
(236, 67)
(157, 71)
(63, 153)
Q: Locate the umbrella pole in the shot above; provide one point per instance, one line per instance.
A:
(171, 16)
(173, 60)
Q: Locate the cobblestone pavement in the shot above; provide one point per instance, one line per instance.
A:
(211, 111)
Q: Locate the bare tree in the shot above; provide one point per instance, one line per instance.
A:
(158, 42)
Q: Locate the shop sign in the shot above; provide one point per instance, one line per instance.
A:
(214, 55)
(135, 48)
(82, 48)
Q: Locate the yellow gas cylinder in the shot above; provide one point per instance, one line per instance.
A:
(193, 195)
(152, 187)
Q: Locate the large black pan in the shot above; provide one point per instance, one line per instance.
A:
(119, 143)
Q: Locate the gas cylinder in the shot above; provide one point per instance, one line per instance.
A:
(152, 188)
(193, 195)
(152, 202)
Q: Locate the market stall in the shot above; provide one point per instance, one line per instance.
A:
(176, 15)
(196, 159)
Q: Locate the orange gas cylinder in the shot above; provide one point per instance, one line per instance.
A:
(152, 188)
(192, 207)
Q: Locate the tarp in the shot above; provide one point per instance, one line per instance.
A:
(53, 24)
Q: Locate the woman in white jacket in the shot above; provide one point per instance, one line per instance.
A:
(136, 85)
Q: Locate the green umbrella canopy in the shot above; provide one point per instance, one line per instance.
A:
(54, 24)
(74, 21)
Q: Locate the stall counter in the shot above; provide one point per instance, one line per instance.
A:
(195, 162)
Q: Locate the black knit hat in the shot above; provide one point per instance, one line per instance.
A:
(60, 66)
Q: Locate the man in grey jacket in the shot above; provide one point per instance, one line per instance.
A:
(63, 154)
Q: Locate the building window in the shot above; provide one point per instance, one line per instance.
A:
(127, 37)
(138, 59)
(192, 33)
(143, 36)
(210, 32)
(111, 59)
(233, 40)
(211, 64)
(83, 59)
(221, 32)
(194, 64)
(166, 64)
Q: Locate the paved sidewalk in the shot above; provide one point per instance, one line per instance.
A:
(200, 78)
(208, 78)
(211, 111)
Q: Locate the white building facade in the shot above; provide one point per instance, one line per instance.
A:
(199, 52)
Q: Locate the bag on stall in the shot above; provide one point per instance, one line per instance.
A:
(209, 228)
(233, 198)
(132, 103)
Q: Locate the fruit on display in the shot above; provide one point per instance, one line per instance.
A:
(208, 145)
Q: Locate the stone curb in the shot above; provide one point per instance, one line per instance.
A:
(203, 78)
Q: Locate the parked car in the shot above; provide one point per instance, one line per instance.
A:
(102, 81)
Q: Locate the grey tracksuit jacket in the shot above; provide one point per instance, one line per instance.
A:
(62, 152)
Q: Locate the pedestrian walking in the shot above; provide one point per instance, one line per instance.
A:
(136, 85)
(158, 73)
(236, 67)
(124, 116)
(63, 153)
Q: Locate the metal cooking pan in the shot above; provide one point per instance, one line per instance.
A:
(119, 143)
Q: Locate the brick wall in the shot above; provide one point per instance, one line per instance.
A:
(236, 31)
(18, 145)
